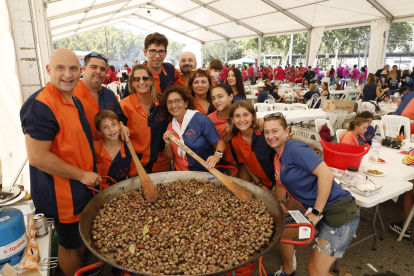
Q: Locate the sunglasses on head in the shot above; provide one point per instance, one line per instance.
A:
(144, 78)
(275, 115)
(94, 54)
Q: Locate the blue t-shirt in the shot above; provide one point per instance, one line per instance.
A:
(360, 140)
(298, 160)
(199, 136)
(263, 96)
(406, 99)
(370, 92)
(238, 97)
(369, 134)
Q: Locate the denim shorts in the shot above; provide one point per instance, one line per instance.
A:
(337, 237)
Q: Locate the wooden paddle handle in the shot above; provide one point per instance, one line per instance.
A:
(239, 191)
(290, 134)
(149, 189)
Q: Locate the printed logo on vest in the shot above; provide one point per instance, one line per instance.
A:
(190, 132)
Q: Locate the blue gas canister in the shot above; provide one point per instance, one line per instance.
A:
(13, 238)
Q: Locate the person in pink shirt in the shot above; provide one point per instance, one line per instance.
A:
(339, 71)
(114, 72)
(270, 74)
(303, 69)
(224, 73)
(316, 70)
(108, 77)
(244, 73)
(279, 75)
(250, 73)
(345, 75)
(299, 76)
(362, 78)
(355, 73)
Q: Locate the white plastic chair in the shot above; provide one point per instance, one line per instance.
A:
(331, 116)
(280, 106)
(309, 103)
(378, 123)
(322, 99)
(344, 96)
(261, 107)
(321, 122)
(270, 101)
(359, 106)
(113, 87)
(340, 133)
(326, 79)
(340, 119)
(298, 106)
(307, 133)
(393, 123)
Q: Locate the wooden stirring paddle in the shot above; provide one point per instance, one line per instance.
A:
(149, 189)
(239, 191)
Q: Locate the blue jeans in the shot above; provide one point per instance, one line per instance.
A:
(251, 80)
(343, 83)
(337, 237)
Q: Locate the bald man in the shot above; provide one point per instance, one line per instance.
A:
(61, 155)
(188, 63)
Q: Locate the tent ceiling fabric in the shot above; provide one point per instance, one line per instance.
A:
(206, 21)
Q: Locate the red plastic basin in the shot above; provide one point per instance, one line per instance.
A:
(340, 156)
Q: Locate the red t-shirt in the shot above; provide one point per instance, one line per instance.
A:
(114, 76)
(128, 70)
(280, 74)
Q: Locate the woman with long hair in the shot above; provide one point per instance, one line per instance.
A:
(325, 90)
(200, 85)
(298, 75)
(249, 146)
(355, 134)
(235, 80)
(192, 128)
(301, 173)
(392, 82)
(146, 121)
(244, 73)
(371, 92)
(114, 73)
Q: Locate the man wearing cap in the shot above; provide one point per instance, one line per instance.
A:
(95, 97)
(188, 63)
(61, 155)
(263, 94)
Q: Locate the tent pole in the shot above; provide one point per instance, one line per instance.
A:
(290, 49)
(226, 51)
(106, 43)
(259, 50)
(202, 53)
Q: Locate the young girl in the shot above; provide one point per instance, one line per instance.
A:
(356, 131)
(222, 98)
(250, 147)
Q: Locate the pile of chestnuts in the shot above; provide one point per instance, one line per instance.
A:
(194, 227)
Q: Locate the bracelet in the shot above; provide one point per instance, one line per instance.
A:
(168, 149)
(258, 183)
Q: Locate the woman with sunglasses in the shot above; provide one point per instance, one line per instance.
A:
(310, 182)
(250, 147)
(146, 122)
(192, 128)
(200, 84)
(235, 79)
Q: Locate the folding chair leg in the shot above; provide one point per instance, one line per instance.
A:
(410, 216)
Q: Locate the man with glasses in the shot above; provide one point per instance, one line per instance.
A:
(165, 75)
(95, 97)
(61, 155)
(188, 63)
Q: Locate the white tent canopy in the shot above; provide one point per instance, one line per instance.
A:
(205, 21)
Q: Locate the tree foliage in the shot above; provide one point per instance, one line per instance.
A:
(401, 37)
(217, 51)
(122, 44)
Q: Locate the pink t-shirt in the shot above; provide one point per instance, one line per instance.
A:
(345, 72)
(114, 73)
(280, 74)
(128, 70)
(355, 73)
(224, 74)
(250, 71)
(303, 69)
(316, 70)
(363, 76)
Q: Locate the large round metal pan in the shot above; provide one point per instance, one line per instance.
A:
(92, 208)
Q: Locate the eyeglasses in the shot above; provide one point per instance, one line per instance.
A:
(275, 115)
(176, 101)
(154, 52)
(94, 54)
(144, 78)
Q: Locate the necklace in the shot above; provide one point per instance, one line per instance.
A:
(143, 102)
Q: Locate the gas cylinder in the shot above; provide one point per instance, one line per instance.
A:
(13, 238)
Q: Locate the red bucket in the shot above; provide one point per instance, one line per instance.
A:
(340, 156)
(246, 270)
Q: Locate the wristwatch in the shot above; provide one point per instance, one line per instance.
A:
(316, 212)
(219, 152)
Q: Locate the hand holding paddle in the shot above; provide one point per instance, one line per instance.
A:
(149, 189)
(239, 191)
